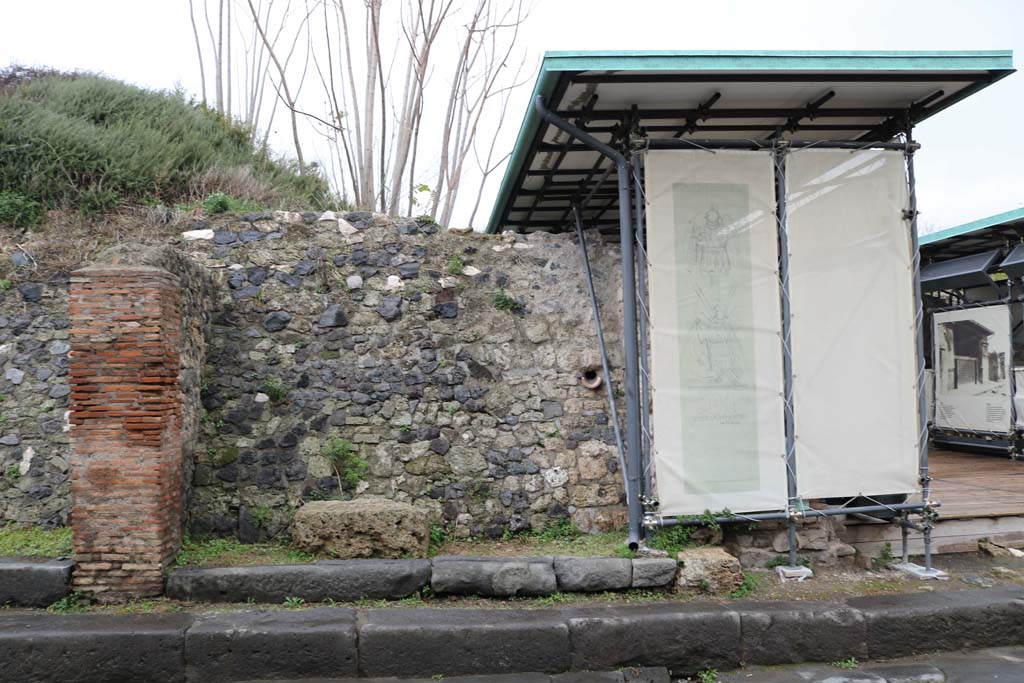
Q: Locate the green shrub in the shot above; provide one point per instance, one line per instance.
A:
(672, 539)
(455, 265)
(348, 466)
(17, 210)
(86, 142)
(69, 604)
(95, 201)
(504, 302)
(218, 202)
(438, 537)
(274, 389)
(746, 588)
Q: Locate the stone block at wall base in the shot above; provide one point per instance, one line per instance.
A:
(341, 580)
(362, 528)
(27, 583)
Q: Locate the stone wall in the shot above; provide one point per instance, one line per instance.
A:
(34, 444)
(450, 363)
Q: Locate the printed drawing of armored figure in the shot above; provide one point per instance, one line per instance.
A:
(718, 349)
(711, 244)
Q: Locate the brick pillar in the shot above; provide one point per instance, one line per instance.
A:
(126, 469)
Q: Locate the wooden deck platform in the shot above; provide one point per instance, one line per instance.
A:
(972, 485)
(982, 496)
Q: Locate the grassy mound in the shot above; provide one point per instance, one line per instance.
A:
(90, 144)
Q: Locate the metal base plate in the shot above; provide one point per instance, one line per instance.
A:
(920, 572)
(793, 573)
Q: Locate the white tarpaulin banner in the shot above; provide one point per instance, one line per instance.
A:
(972, 369)
(714, 304)
(853, 335)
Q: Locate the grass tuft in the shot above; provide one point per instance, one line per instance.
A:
(228, 552)
(35, 541)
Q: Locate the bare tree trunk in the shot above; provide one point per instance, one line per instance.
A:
(289, 100)
(372, 134)
(199, 49)
(220, 54)
(228, 63)
(369, 102)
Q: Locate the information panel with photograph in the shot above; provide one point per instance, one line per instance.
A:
(972, 362)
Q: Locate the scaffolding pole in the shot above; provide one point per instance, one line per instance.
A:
(645, 321)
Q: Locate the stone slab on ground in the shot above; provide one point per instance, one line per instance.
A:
(232, 646)
(976, 666)
(709, 568)
(34, 583)
(590, 574)
(494, 577)
(341, 580)
(683, 638)
(92, 648)
(402, 642)
(653, 572)
(362, 528)
(627, 675)
(903, 625)
(781, 632)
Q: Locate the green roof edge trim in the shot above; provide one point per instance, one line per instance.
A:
(556, 63)
(973, 226)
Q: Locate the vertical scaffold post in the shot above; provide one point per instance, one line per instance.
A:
(643, 325)
(1012, 374)
(787, 349)
(922, 405)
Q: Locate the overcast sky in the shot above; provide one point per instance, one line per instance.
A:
(969, 165)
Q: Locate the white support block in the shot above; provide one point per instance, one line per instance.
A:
(920, 572)
(793, 573)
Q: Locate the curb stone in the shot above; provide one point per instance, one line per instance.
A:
(494, 577)
(777, 633)
(32, 583)
(592, 574)
(903, 625)
(230, 646)
(339, 642)
(417, 642)
(684, 638)
(342, 580)
(653, 572)
(93, 648)
(349, 580)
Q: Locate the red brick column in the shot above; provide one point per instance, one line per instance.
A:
(126, 469)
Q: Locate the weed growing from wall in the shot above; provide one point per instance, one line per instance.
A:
(349, 467)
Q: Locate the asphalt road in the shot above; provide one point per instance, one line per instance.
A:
(1005, 665)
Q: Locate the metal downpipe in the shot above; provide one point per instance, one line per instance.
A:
(600, 343)
(629, 332)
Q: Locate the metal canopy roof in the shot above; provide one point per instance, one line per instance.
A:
(714, 95)
(959, 273)
(994, 232)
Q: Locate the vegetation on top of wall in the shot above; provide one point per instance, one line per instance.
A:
(88, 143)
(34, 541)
